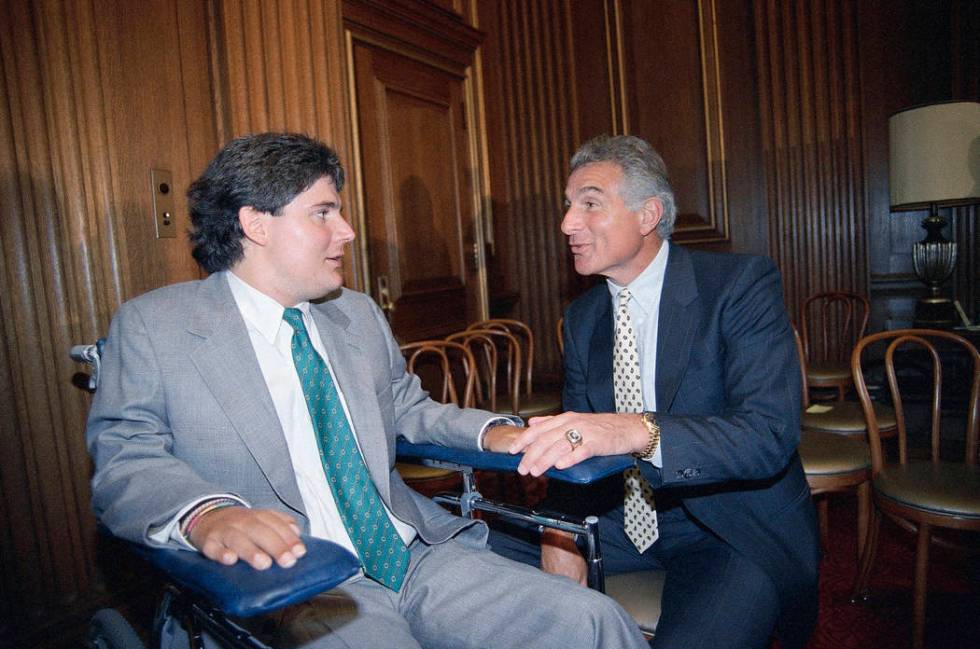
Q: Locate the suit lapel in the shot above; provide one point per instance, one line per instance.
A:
(228, 366)
(600, 362)
(676, 325)
(344, 349)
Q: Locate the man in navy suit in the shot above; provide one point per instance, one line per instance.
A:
(685, 359)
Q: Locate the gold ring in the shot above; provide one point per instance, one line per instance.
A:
(574, 438)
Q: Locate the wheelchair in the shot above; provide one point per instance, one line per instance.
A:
(206, 597)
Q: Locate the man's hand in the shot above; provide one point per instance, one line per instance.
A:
(544, 443)
(499, 437)
(560, 556)
(255, 536)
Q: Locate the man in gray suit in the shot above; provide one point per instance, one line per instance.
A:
(226, 404)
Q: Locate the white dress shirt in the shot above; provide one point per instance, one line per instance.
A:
(271, 337)
(644, 309)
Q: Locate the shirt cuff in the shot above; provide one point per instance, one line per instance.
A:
(170, 531)
(497, 421)
(658, 457)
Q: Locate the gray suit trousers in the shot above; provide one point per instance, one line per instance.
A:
(454, 597)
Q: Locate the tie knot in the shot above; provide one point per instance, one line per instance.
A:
(295, 319)
(624, 296)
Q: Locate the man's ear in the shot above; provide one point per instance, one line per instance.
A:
(651, 212)
(253, 224)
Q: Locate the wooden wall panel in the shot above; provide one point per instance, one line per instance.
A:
(809, 98)
(929, 52)
(280, 66)
(530, 77)
(90, 103)
(559, 73)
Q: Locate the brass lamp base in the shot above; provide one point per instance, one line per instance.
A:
(934, 259)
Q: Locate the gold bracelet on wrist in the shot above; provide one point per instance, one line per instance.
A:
(650, 421)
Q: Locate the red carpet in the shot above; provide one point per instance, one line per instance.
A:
(885, 619)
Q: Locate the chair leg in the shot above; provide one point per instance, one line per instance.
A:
(867, 557)
(864, 508)
(823, 520)
(920, 586)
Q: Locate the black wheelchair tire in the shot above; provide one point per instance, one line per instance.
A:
(108, 629)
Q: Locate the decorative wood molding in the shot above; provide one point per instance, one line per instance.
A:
(811, 119)
(633, 115)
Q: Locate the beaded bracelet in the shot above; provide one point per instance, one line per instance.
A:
(193, 517)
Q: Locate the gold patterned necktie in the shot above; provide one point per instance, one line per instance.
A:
(639, 511)
(383, 553)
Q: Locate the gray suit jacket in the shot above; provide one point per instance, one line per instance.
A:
(182, 411)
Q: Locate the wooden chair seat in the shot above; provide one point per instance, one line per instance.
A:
(827, 373)
(946, 488)
(639, 593)
(826, 455)
(847, 418)
(536, 404)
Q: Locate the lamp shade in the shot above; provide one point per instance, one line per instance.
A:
(934, 155)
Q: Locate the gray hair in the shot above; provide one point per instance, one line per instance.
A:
(644, 173)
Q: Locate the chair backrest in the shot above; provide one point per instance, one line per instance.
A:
(801, 355)
(486, 346)
(525, 339)
(446, 364)
(831, 323)
(916, 355)
(560, 336)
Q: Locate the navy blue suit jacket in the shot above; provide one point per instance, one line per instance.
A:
(728, 404)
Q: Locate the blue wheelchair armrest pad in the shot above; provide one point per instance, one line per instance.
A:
(242, 591)
(590, 470)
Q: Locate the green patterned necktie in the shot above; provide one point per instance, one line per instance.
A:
(382, 551)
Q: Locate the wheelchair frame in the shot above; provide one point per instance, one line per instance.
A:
(201, 594)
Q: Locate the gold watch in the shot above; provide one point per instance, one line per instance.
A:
(650, 421)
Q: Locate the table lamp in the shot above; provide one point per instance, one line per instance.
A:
(933, 162)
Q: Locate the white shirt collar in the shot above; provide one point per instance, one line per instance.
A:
(646, 287)
(258, 309)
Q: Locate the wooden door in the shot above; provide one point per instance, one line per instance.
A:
(420, 231)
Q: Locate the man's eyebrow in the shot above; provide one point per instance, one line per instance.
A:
(326, 204)
(589, 189)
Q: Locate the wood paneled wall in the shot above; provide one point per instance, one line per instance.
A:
(280, 66)
(927, 52)
(91, 102)
(809, 100)
(804, 90)
(94, 94)
(530, 82)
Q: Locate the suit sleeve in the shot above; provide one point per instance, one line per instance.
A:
(749, 431)
(416, 416)
(130, 439)
(568, 498)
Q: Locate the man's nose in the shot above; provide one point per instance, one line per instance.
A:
(346, 232)
(569, 222)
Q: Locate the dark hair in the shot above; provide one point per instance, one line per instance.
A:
(644, 173)
(265, 171)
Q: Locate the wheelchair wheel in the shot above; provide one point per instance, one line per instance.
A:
(110, 630)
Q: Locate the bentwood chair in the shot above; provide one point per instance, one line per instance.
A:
(534, 401)
(498, 368)
(833, 463)
(831, 323)
(932, 495)
(448, 370)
